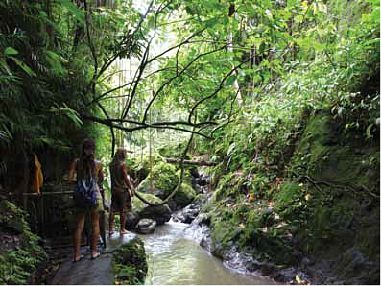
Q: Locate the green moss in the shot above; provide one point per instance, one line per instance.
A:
(289, 200)
(162, 177)
(129, 263)
(225, 226)
(185, 195)
(19, 262)
(138, 205)
(142, 166)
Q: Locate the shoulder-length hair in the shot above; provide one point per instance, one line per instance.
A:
(86, 164)
(119, 156)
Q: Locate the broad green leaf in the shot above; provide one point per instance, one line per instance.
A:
(24, 67)
(9, 51)
(55, 62)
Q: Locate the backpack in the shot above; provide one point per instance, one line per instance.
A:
(85, 192)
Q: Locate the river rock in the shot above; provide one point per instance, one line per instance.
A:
(202, 219)
(187, 214)
(146, 226)
(184, 196)
(161, 213)
(286, 275)
(132, 218)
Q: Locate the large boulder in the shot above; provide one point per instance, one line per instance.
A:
(161, 181)
(187, 214)
(132, 218)
(184, 196)
(159, 212)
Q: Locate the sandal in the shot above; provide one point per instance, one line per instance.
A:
(124, 231)
(96, 255)
(76, 259)
(110, 232)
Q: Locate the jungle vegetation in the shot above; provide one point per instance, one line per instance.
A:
(243, 78)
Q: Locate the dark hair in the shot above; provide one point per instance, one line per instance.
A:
(86, 164)
(119, 156)
(88, 143)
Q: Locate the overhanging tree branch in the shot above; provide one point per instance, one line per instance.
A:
(141, 126)
(173, 78)
(216, 91)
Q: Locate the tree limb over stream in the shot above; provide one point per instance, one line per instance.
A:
(191, 162)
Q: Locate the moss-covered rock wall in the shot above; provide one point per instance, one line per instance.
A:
(20, 253)
(321, 217)
(130, 264)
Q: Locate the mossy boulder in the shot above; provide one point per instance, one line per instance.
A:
(129, 263)
(138, 205)
(161, 181)
(141, 167)
(184, 196)
(20, 254)
(159, 212)
(251, 228)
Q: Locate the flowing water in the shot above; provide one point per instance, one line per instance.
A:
(175, 256)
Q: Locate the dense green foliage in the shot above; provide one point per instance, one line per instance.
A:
(282, 95)
(20, 253)
(130, 264)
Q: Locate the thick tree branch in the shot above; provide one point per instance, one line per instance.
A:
(141, 126)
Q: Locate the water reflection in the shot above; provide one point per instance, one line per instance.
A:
(175, 257)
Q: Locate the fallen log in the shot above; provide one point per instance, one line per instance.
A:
(191, 162)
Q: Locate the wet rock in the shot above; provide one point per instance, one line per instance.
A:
(305, 262)
(357, 268)
(161, 213)
(202, 219)
(286, 275)
(146, 226)
(194, 172)
(187, 214)
(132, 218)
(267, 269)
(206, 243)
(184, 196)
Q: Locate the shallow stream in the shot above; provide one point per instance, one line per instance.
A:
(175, 256)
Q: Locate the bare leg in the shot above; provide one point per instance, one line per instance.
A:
(95, 231)
(123, 230)
(80, 219)
(111, 222)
